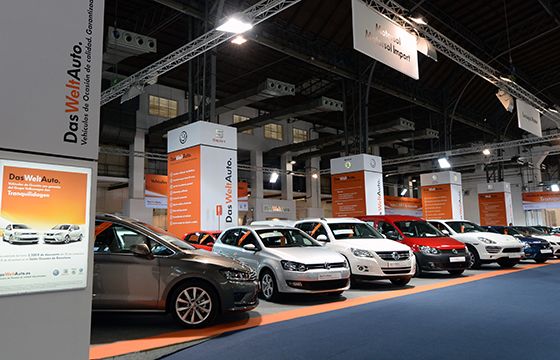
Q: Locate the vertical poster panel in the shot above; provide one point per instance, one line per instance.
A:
(509, 208)
(374, 193)
(242, 196)
(218, 188)
(457, 202)
(437, 202)
(45, 225)
(183, 208)
(492, 209)
(51, 76)
(403, 206)
(348, 194)
(155, 194)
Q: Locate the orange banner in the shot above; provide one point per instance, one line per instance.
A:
(348, 194)
(541, 200)
(492, 209)
(184, 191)
(403, 205)
(156, 185)
(436, 202)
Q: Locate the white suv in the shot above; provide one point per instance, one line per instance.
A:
(485, 247)
(370, 255)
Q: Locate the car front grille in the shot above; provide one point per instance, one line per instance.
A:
(457, 252)
(393, 255)
(318, 285)
(325, 266)
(512, 250)
(393, 271)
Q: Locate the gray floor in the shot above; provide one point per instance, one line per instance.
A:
(113, 327)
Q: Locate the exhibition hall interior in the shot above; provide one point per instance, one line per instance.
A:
(281, 178)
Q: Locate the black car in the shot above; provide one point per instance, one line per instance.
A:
(140, 267)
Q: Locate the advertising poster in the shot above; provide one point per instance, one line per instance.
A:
(437, 202)
(541, 200)
(155, 195)
(395, 205)
(492, 209)
(184, 191)
(243, 196)
(44, 224)
(348, 194)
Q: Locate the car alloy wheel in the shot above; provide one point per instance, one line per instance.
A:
(194, 304)
(269, 290)
(11, 239)
(67, 239)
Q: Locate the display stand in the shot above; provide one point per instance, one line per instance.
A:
(442, 195)
(494, 204)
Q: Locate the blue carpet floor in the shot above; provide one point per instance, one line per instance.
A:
(512, 316)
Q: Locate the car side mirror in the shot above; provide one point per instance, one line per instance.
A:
(392, 235)
(250, 247)
(445, 231)
(141, 250)
(322, 237)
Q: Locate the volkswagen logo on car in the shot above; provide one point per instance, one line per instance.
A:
(395, 255)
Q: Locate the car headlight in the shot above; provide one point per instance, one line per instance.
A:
(17, 233)
(293, 266)
(237, 275)
(362, 253)
(485, 240)
(428, 250)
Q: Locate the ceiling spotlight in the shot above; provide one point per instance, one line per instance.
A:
(553, 110)
(486, 151)
(237, 24)
(505, 78)
(238, 40)
(417, 18)
(273, 177)
(444, 163)
(292, 162)
(554, 187)
(315, 176)
(403, 192)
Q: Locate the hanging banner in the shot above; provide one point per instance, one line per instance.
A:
(528, 118)
(242, 196)
(395, 205)
(380, 38)
(541, 200)
(44, 222)
(155, 195)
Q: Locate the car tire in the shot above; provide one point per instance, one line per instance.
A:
(507, 263)
(400, 282)
(67, 239)
(475, 258)
(269, 289)
(419, 271)
(541, 260)
(81, 237)
(11, 239)
(456, 272)
(194, 304)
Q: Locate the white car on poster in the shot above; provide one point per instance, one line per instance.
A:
(63, 233)
(20, 233)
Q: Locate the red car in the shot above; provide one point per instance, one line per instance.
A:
(433, 249)
(202, 239)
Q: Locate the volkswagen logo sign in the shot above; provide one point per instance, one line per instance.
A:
(183, 137)
(372, 162)
(395, 255)
(454, 251)
(327, 266)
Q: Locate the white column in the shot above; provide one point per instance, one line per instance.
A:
(287, 180)
(134, 206)
(257, 191)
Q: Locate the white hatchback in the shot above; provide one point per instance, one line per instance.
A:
(370, 255)
(20, 233)
(63, 233)
(485, 247)
(285, 259)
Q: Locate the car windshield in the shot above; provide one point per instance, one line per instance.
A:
(465, 227)
(531, 231)
(21, 226)
(351, 230)
(417, 229)
(167, 236)
(286, 238)
(61, 227)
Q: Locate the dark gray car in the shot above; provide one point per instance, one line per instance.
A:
(140, 267)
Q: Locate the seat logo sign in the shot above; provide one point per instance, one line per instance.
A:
(183, 137)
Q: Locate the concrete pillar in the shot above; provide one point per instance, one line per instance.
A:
(134, 206)
(313, 185)
(287, 179)
(257, 190)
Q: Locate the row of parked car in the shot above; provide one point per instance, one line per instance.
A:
(140, 267)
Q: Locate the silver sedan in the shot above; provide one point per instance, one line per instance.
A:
(286, 260)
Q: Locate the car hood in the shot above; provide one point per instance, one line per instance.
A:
(213, 258)
(437, 242)
(307, 255)
(371, 244)
(498, 238)
(55, 232)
